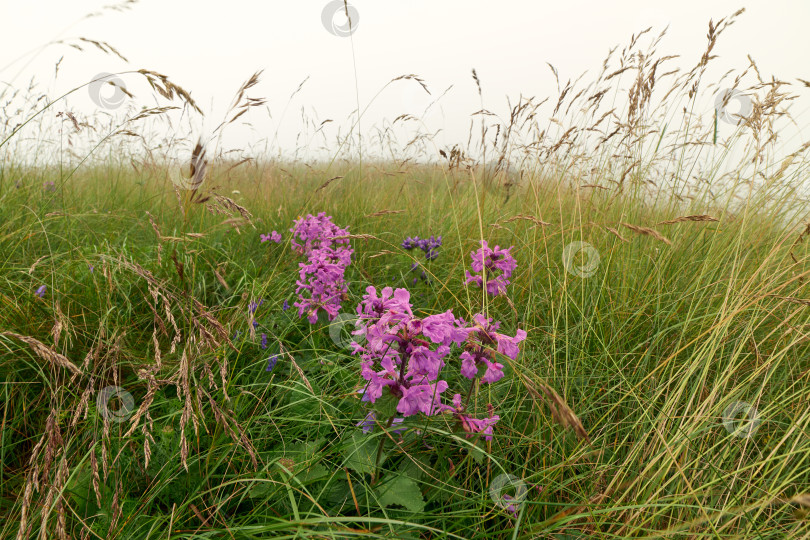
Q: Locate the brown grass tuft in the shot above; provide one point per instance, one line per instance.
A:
(648, 232)
(700, 217)
(44, 352)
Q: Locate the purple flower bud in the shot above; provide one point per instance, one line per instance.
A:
(271, 362)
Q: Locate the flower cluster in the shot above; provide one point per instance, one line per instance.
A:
(252, 307)
(428, 245)
(478, 351)
(322, 276)
(403, 356)
(272, 360)
(274, 236)
(499, 265)
(473, 425)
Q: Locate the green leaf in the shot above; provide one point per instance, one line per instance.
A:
(414, 466)
(477, 454)
(80, 489)
(361, 453)
(386, 406)
(313, 474)
(403, 491)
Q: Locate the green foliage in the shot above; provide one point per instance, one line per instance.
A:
(401, 490)
(649, 352)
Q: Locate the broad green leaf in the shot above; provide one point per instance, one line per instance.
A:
(361, 453)
(403, 491)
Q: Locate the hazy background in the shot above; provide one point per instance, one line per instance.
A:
(210, 48)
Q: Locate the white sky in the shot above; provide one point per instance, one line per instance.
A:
(210, 48)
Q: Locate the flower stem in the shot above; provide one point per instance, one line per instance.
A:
(374, 475)
(469, 393)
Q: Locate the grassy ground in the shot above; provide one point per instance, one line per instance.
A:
(662, 391)
(148, 290)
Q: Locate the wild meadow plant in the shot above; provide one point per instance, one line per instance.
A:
(274, 237)
(322, 276)
(428, 245)
(404, 360)
(493, 266)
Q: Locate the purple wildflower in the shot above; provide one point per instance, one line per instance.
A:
(264, 341)
(40, 292)
(285, 306)
(410, 243)
(510, 507)
(253, 306)
(469, 424)
(403, 356)
(322, 276)
(271, 362)
(272, 237)
(402, 353)
(488, 262)
(478, 351)
(428, 245)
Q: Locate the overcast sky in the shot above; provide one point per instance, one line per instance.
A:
(210, 48)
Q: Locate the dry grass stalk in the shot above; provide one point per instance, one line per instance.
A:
(163, 86)
(803, 498)
(527, 218)
(384, 213)
(616, 232)
(94, 471)
(36, 263)
(560, 411)
(354, 237)
(788, 161)
(229, 206)
(647, 232)
(218, 273)
(229, 423)
(44, 352)
(60, 323)
(791, 299)
(700, 217)
(413, 77)
(327, 183)
(297, 368)
(184, 392)
(83, 407)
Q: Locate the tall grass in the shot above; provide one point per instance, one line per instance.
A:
(698, 301)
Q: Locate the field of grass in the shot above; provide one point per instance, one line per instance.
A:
(648, 352)
(155, 383)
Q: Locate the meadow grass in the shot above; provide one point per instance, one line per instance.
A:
(662, 391)
(648, 351)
